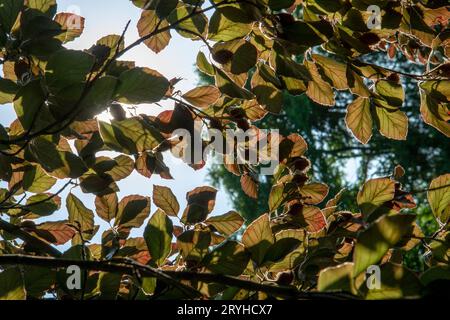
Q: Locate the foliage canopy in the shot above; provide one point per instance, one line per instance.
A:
(303, 246)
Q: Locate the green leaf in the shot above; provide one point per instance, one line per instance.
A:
(268, 95)
(308, 34)
(8, 90)
(12, 284)
(397, 282)
(278, 5)
(132, 211)
(61, 164)
(106, 206)
(67, 67)
(439, 198)
(81, 218)
(435, 274)
(276, 197)
(204, 65)
(228, 23)
(38, 280)
(258, 238)
(109, 285)
(105, 48)
(158, 236)
(229, 87)
(47, 7)
(226, 224)
(163, 7)
(435, 113)
(391, 91)
(195, 25)
(338, 278)
(141, 85)
(164, 199)
(193, 245)
(9, 11)
(392, 123)
(374, 194)
(94, 102)
(28, 103)
(230, 258)
(41, 205)
(130, 136)
(36, 180)
(282, 248)
(374, 243)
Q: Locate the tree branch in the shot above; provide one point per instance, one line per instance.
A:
(131, 266)
(31, 240)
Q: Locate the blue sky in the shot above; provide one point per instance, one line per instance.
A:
(104, 17)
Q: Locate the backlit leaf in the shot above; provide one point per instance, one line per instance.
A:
(13, 287)
(164, 198)
(226, 224)
(373, 243)
(202, 97)
(359, 119)
(81, 218)
(158, 236)
(147, 24)
(132, 212)
(374, 194)
(141, 85)
(439, 198)
(258, 237)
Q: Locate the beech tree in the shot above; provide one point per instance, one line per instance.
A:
(303, 247)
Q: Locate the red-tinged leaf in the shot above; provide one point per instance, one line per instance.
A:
(403, 200)
(57, 233)
(399, 172)
(148, 164)
(292, 147)
(309, 217)
(202, 196)
(203, 97)
(147, 24)
(250, 186)
(315, 219)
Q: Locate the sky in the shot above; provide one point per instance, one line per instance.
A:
(104, 17)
